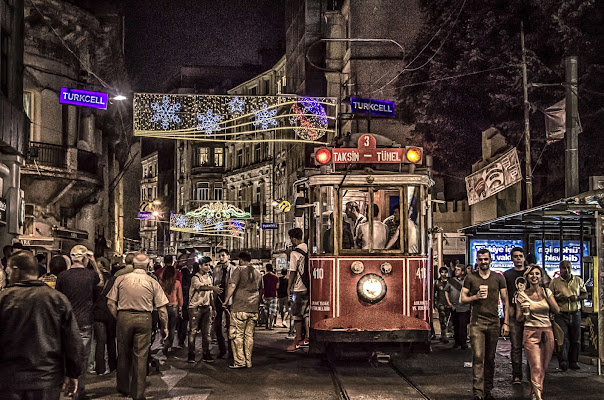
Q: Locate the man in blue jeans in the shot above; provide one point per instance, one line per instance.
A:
(568, 291)
(483, 290)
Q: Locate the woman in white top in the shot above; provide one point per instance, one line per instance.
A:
(533, 306)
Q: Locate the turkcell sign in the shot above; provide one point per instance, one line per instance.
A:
(270, 225)
(375, 107)
(86, 98)
(145, 215)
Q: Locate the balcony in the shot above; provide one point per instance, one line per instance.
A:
(46, 154)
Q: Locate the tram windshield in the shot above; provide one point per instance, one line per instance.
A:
(367, 220)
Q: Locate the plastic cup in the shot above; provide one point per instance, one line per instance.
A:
(484, 291)
(525, 308)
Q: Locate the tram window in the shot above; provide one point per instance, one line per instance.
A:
(324, 221)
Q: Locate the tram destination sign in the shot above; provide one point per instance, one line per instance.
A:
(367, 152)
(86, 98)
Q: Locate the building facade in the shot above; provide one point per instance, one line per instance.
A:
(71, 179)
(14, 125)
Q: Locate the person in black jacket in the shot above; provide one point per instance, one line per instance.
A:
(104, 326)
(40, 345)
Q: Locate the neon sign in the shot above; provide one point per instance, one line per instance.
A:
(215, 219)
(375, 107)
(227, 118)
(85, 98)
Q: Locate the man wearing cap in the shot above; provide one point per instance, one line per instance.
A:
(78, 283)
(131, 301)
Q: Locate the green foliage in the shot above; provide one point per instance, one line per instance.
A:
(450, 114)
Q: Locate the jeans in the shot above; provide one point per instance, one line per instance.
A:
(86, 334)
(483, 338)
(222, 345)
(241, 333)
(182, 327)
(460, 327)
(172, 320)
(133, 345)
(516, 339)
(443, 317)
(538, 346)
(570, 322)
(35, 394)
(104, 334)
(200, 317)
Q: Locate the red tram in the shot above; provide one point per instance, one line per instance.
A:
(370, 281)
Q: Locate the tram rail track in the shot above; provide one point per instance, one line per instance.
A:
(342, 392)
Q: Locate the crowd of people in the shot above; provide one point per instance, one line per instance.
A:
(540, 315)
(50, 316)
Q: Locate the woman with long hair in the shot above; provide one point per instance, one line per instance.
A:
(173, 289)
(533, 306)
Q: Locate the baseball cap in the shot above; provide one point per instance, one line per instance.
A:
(78, 252)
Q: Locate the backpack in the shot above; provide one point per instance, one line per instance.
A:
(305, 276)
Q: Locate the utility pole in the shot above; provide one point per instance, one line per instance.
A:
(527, 128)
(571, 139)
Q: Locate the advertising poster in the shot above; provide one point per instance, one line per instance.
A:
(500, 251)
(492, 179)
(571, 251)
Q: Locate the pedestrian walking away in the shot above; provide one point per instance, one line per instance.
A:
(40, 346)
(131, 301)
(533, 306)
(483, 290)
(270, 283)
(78, 284)
(173, 291)
(245, 287)
(298, 289)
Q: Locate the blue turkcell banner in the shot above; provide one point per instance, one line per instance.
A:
(375, 107)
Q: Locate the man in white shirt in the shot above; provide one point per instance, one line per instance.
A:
(380, 232)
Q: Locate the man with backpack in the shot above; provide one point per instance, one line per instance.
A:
(298, 288)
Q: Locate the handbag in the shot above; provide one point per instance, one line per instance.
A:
(558, 334)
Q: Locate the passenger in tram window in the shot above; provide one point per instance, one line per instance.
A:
(347, 240)
(380, 232)
(353, 211)
(392, 222)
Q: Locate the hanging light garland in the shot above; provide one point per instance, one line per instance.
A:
(228, 118)
(214, 219)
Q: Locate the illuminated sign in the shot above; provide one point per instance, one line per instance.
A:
(571, 251)
(270, 225)
(214, 219)
(375, 107)
(367, 152)
(285, 206)
(86, 98)
(500, 252)
(228, 118)
(145, 215)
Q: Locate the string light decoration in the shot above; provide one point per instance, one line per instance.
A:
(234, 118)
(214, 219)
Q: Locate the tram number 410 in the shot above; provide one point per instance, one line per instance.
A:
(317, 273)
(421, 273)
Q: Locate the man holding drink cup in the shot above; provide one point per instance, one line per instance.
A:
(483, 290)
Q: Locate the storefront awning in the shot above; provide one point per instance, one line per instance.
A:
(43, 242)
(570, 215)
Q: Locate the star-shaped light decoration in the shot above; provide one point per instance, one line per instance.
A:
(236, 105)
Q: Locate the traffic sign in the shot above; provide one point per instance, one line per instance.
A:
(270, 225)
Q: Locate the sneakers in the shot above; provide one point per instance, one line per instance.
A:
(563, 365)
(304, 343)
(207, 358)
(191, 359)
(295, 346)
(235, 366)
(517, 380)
(574, 365)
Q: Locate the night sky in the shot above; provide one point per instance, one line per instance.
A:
(164, 34)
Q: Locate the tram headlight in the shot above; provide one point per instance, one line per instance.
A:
(371, 288)
(357, 267)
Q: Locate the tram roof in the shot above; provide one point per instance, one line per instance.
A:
(569, 215)
(369, 179)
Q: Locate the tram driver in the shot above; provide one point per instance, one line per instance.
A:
(380, 232)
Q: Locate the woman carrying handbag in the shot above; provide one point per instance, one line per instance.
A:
(533, 306)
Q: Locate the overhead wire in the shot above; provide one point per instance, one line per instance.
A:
(407, 67)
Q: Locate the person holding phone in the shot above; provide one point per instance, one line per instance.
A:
(533, 307)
